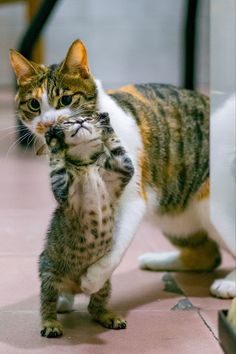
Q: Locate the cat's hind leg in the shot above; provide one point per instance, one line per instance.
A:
(226, 287)
(99, 312)
(65, 303)
(195, 253)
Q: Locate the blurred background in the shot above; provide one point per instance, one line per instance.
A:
(128, 41)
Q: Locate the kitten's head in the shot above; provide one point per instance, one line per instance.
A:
(82, 137)
(47, 92)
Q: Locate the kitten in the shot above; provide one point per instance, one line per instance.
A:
(166, 133)
(89, 170)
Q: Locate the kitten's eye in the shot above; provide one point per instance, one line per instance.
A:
(33, 105)
(65, 100)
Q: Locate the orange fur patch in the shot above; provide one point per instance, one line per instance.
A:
(144, 175)
(204, 191)
(132, 90)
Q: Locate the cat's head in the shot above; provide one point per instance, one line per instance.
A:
(46, 93)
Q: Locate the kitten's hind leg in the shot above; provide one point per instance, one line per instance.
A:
(195, 253)
(65, 303)
(97, 309)
(51, 327)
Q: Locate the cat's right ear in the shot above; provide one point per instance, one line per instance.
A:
(23, 68)
(76, 59)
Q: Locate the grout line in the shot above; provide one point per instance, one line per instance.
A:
(208, 326)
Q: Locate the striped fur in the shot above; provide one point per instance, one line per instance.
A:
(174, 125)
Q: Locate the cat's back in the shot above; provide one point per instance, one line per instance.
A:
(174, 128)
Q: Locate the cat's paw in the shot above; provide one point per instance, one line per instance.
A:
(55, 139)
(160, 261)
(96, 276)
(51, 329)
(65, 303)
(112, 321)
(224, 288)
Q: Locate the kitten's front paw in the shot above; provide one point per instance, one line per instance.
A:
(51, 329)
(55, 139)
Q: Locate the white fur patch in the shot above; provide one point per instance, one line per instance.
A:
(180, 225)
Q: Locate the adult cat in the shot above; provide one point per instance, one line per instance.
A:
(165, 131)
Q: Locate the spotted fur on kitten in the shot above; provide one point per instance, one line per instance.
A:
(165, 130)
(86, 185)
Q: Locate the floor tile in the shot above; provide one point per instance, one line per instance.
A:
(146, 334)
(211, 319)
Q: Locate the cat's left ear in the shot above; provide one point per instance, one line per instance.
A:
(23, 68)
(76, 59)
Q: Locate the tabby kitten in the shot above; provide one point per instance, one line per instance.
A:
(89, 170)
(165, 131)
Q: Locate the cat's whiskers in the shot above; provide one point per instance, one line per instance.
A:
(9, 128)
(15, 131)
(14, 144)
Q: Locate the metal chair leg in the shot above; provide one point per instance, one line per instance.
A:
(28, 41)
(190, 44)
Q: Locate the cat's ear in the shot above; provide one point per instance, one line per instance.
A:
(76, 59)
(23, 68)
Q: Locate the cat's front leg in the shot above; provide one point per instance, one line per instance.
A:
(59, 176)
(60, 181)
(131, 211)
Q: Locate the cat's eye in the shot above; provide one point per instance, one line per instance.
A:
(65, 100)
(33, 105)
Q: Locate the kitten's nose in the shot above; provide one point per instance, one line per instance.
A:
(80, 120)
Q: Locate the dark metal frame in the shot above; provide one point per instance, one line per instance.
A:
(27, 44)
(190, 36)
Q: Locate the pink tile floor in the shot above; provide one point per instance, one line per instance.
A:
(155, 323)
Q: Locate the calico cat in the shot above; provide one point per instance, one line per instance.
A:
(165, 131)
(89, 170)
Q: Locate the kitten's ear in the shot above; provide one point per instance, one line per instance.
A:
(23, 68)
(76, 59)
